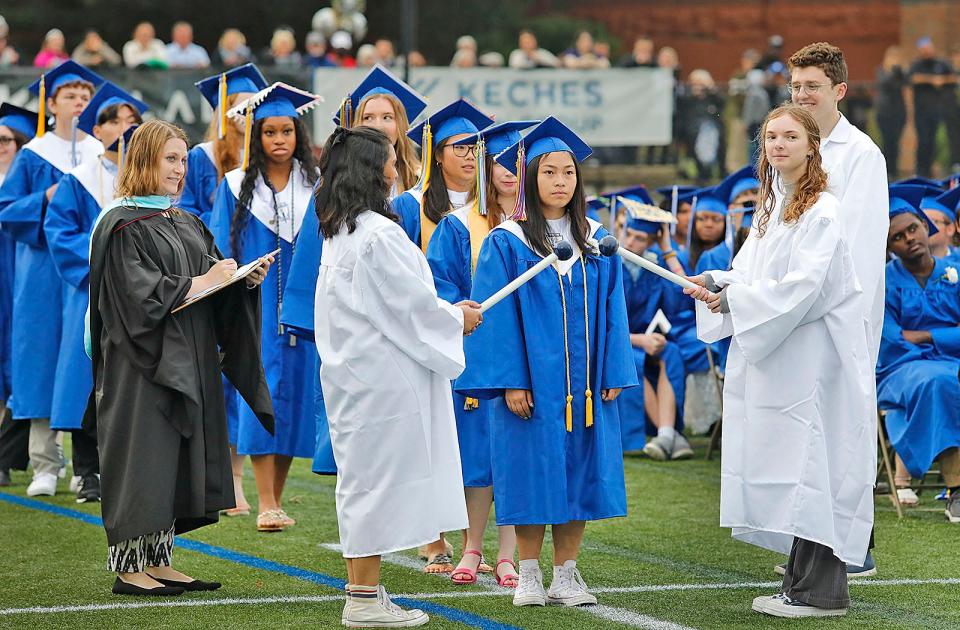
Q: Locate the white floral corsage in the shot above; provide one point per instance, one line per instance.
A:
(951, 276)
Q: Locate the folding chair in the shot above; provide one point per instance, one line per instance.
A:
(885, 461)
(718, 380)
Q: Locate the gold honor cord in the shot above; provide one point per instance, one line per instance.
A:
(588, 394)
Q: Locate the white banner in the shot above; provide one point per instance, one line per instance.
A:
(616, 107)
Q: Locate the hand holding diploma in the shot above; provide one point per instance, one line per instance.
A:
(699, 292)
(472, 316)
(258, 275)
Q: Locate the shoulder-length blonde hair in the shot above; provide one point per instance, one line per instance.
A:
(226, 150)
(809, 186)
(140, 175)
(408, 166)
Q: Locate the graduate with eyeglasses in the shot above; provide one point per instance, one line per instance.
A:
(551, 359)
(81, 195)
(259, 208)
(27, 190)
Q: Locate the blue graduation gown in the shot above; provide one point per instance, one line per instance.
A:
(34, 347)
(449, 258)
(917, 384)
(407, 206)
(8, 258)
(543, 473)
(290, 365)
(644, 294)
(200, 184)
(69, 220)
(684, 319)
(717, 258)
(296, 314)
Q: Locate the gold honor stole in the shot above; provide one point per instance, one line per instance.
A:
(479, 228)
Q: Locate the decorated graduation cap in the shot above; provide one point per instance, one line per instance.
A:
(109, 94)
(906, 199)
(121, 143)
(492, 140)
(380, 81)
(549, 136)
(279, 99)
(941, 201)
(643, 216)
(19, 119)
(52, 80)
(738, 182)
(245, 79)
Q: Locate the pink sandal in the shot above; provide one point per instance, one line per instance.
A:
(512, 578)
(463, 575)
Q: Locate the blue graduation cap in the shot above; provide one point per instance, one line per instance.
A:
(19, 119)
(456, 118)
(549, 136)
(712, 199)
(906, 199)
(106, 96)
(380, 81)
(52, 80)
(596, 203)
(682, 190)
(747, 214)
(937, 199)
(633, 193)
(279, 99)
(919, 181)
(120, 145)
(739, 182)
(499, 137)
(245, 79)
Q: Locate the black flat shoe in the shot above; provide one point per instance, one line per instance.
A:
(125, 588)
(195, 585)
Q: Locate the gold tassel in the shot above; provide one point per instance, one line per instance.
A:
(569, 413)
(247, 131)
(120, 151)
(589, 410)
(42, 109)
(566, 351)
(223, 106)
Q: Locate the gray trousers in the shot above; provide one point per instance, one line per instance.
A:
(815, 576)
(44, 454)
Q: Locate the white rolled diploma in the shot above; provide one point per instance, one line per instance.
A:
(561, 251)
(653, 267)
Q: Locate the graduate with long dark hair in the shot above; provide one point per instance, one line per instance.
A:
(551, 360)
(388, 348)
(261, 207)
(158, 402)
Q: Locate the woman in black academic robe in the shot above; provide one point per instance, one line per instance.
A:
(158, 400)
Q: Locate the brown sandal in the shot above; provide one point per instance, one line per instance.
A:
(270, 521)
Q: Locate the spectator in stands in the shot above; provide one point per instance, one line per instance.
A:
(386, 52)
(582, 55)
(94, 52)
(283, 49)
(951, 113)
(491, 59)
(416, 59)
(933, 80)
(466, 53)
(530, 55)
(602, 50)
(232, 50)
(145, 49)
(316, 49)
(641, 56)
(701, 120)
(367, 56)
(891, 108)
(182, 52)
(8, 55)
(53, 52)
(773, 54)
(341, 43)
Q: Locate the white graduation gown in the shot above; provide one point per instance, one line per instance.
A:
(389, 348)
(799, 421)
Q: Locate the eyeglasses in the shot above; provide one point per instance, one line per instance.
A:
(4, 140)
(461, 150)
(810, 88)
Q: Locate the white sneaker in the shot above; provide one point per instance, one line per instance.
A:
(373, 609)
(530, 589)
(75, 483)
(43, 484)
(780, 605)
(568, 588)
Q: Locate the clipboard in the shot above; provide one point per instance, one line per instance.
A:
(238, 275)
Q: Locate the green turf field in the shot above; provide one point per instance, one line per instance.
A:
(667, 566)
